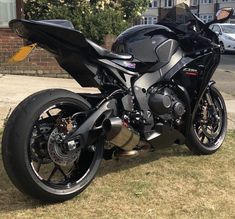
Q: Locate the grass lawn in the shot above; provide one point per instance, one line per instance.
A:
(171, 183)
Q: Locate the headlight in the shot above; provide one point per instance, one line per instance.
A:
(229, 38)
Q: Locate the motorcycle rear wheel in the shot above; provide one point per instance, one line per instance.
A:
(207, 136)
(29, 165)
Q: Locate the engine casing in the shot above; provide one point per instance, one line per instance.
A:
(165, 104)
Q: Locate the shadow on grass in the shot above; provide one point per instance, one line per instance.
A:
(12, 200)
(128, 163)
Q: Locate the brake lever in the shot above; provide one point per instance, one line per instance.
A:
(215, 45)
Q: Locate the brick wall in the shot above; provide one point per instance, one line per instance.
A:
(39, 63)
(108, 41)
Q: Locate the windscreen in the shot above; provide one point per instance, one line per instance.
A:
(181, 19)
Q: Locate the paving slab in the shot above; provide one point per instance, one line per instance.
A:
(15, 88)
(230, 105)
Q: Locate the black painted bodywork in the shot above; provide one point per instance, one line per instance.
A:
(148, 44)
(143, 57)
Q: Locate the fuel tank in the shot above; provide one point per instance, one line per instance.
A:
(150, 45)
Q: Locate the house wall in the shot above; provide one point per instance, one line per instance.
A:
(206, 8)
(151, 12)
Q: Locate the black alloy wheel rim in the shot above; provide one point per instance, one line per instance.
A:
(48, 172)
(209, 132)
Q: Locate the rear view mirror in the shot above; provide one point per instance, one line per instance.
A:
(224, 14)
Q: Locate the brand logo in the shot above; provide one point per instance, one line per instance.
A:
(129, 65)
(190, 72)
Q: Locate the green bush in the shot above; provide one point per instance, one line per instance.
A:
(99, 24)
(94, 18)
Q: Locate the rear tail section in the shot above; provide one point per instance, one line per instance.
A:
(53, 35)
(69, 46)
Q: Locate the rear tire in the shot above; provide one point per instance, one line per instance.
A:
(17, 159)
(202, 144)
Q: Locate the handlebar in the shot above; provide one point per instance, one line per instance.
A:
(214, 45)
(197, 36)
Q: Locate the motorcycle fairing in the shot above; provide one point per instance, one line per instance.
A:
(52, 34)
(57, 34)
(147, 80)
(104, 53)
(172, 72)
(158, 44)
(72, 50)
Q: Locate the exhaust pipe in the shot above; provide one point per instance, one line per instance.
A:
(120, 135)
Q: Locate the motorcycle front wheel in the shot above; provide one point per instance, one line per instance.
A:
(34, 156)
(209, 126)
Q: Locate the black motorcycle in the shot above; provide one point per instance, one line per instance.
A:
(155, 91)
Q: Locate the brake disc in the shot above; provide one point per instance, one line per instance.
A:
(58, 153)
(215, 126)
(38, 143)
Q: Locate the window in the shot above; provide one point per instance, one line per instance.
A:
(149, 20)
(7, 11)
(216, 29)
(206, 18)
(194, 2)
(168, 3)
(228, 29)
(210, 18)
(154, 20)
(153, 4)
(206, 1)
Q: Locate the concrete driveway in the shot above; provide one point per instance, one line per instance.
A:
(14, 88)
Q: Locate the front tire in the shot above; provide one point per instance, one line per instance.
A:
(209, 126)
(25, 148)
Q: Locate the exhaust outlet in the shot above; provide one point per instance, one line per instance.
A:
(120, 135)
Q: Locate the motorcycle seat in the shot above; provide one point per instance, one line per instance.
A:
(53, 32)
(57, 23)
(104, 53)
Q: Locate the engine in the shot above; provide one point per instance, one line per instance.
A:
(166, 105)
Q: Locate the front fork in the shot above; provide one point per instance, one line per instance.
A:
(208, 99)
(209, 113)
(211, 104)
